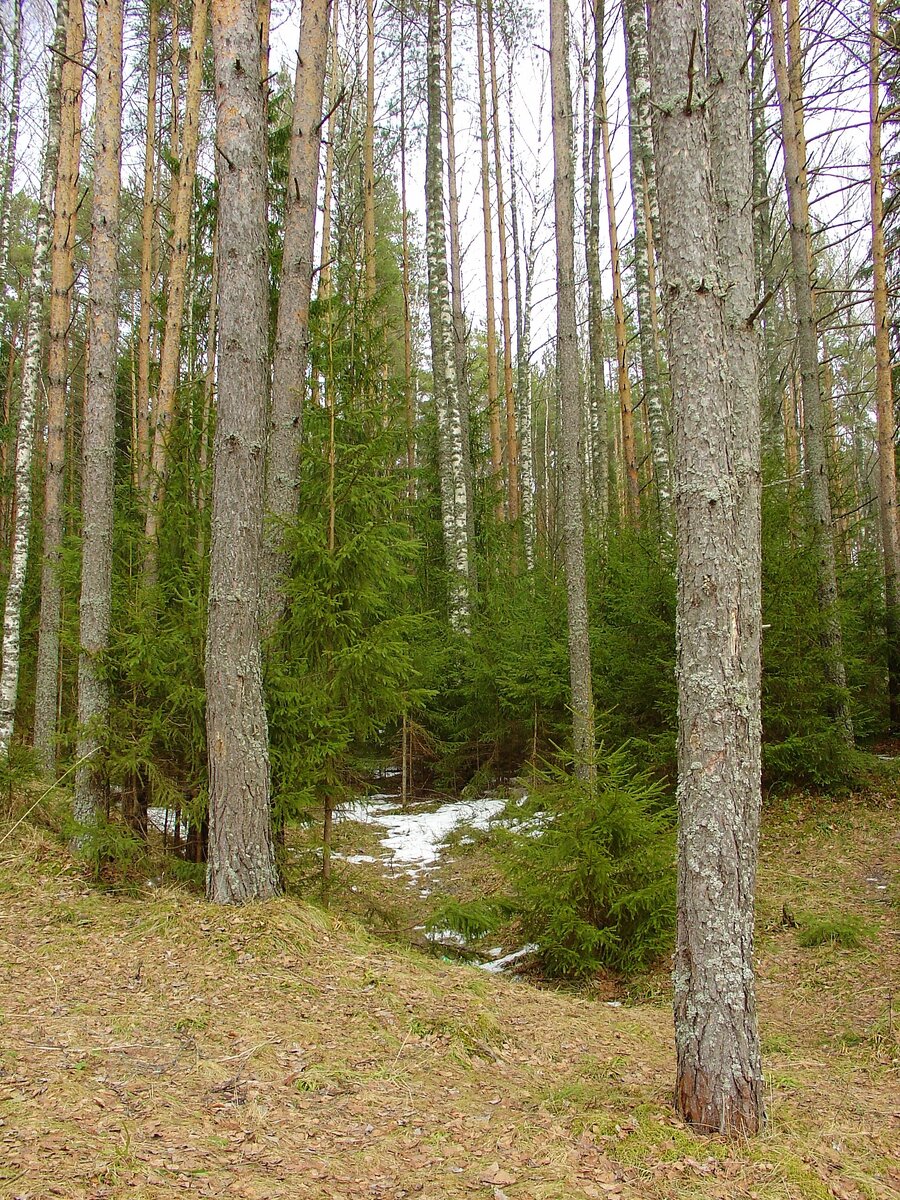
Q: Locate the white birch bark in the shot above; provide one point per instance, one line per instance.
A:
(450, 445)
(31, 370)
(12, 137)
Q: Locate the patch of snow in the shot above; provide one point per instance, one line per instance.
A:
(414, 838)
(495, 951)
(500, 964)
(445, 937)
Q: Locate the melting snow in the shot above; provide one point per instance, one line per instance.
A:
(500, 964)
(414, 838)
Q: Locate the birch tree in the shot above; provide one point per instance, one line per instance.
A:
(31, 367)
(241, 862)
(99, 429)
(443, 365)
(701, 137)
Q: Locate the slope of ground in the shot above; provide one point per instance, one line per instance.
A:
(152, 1046)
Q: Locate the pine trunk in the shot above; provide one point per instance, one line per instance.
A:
(793, 142)
(98, 441)
(884, 399)
(62, 256)
(643, 185)
(182, 203)
(569, 394)
(292, 328)
(702, 156)
(148, 220)
(626, 411)
(31, 369)
(369, 156)
(241, 863)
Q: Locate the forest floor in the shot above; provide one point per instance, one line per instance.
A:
(153, 1046)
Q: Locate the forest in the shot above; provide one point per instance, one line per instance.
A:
(450, 556)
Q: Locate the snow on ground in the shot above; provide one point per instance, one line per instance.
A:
(414, 838)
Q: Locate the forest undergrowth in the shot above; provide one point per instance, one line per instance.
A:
(154, 1046)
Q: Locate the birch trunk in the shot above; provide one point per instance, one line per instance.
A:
(456, 296)
(793, 143)
(292, 328)
(241, 850)
(884, 399)
(99, 430)
(171, 344)
(512, 449)
(61, 282)
(31, 369)
(713, 369)
(569, 394)
(493, 386)
(450, 448)
(148, 221)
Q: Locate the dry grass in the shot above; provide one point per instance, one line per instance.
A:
(154, 1046)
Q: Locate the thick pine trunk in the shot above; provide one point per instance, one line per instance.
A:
(98, 441)
(570, 394)
(794, 146)
(61, 282)
(241, 862)
(292, 328)
(703, 172)
(31, 369)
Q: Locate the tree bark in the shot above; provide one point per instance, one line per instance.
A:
(456, 295)
(292, 328)
(713, 369)
(512, 444)
(369, 157)
(171, 344)
(241, 862)
(493, 386)
(643, 185)
(450, 447)
(629, 452)
(31, 367)
(98, 440)
(884, 399)
(569, 394)
(12, 136)
(148, 220)
(62, 255)
(793, 143)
